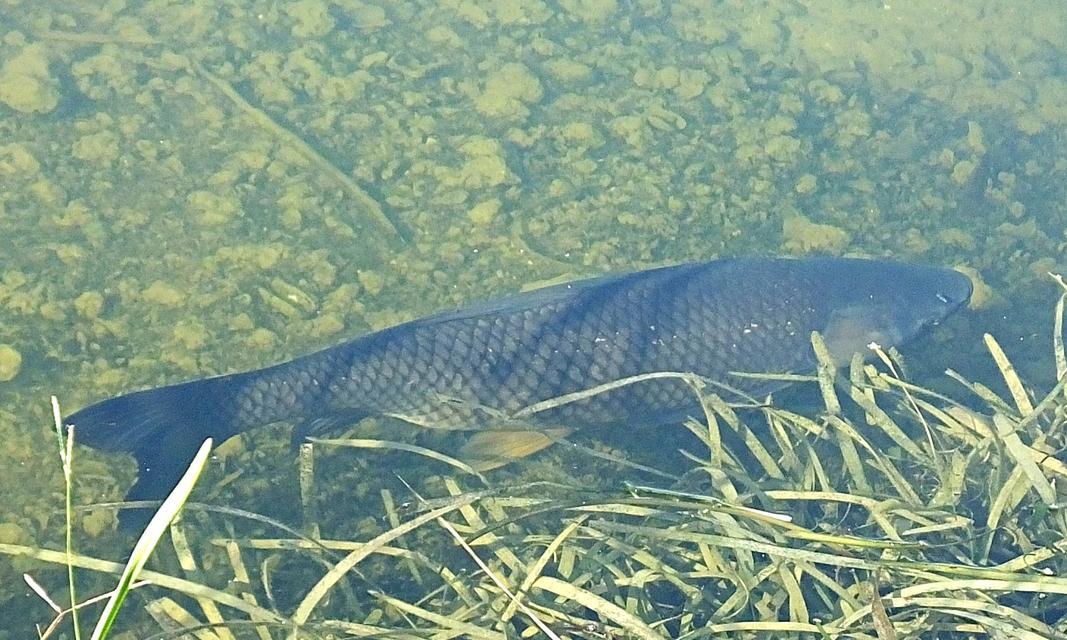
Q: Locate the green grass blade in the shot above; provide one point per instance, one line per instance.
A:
(66, 455)
(150, 538)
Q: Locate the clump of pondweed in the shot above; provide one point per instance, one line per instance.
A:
(890, 512)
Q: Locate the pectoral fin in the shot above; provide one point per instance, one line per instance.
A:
(488, 450)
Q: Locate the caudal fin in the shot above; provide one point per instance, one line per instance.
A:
(163, 428)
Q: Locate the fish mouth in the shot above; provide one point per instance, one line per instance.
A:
(957, 290)
(912, 305)
(952, 292)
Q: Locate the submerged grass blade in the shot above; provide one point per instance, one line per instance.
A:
(189, 567)
(153, 577)
(1010, 376)
(157, 526)
(66, 455)
(330, 579)
(607, 610)
(533, 571)
(1058, 352)
(448, 624)
(371, 208)
(1024, 457)
(364, 443)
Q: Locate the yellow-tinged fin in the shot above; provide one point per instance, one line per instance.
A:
(488, 450)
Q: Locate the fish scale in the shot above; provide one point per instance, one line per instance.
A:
(473, 367)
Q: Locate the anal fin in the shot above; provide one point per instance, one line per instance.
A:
(488, 450)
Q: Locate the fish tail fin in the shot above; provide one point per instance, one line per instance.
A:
(163, 428)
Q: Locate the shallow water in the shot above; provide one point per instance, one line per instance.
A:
(193, 189)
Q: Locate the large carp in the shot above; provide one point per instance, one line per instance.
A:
(486, 362)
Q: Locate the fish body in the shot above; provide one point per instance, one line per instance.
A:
(465, 368)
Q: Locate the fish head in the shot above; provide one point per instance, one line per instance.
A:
(886, 304)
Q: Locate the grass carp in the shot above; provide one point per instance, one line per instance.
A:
(465, 368)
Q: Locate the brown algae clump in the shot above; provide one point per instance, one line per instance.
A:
(164, 295)
(10, 362)
(25, 83)
(804, 236)
(507, 92)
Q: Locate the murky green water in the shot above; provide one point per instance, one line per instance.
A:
(195, 188)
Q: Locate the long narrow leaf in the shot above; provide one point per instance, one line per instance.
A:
(150, 538)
